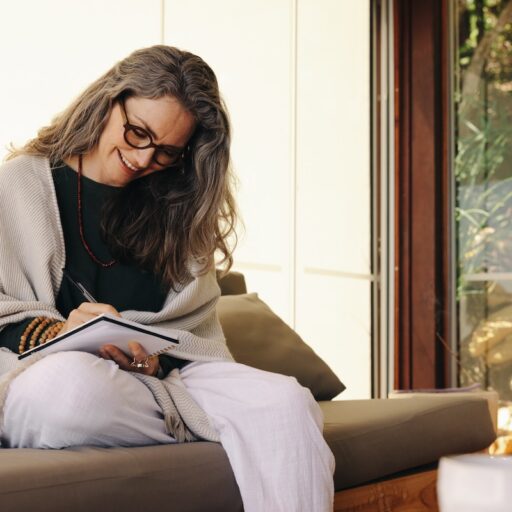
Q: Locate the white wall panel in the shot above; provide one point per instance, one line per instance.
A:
(252, 49)
(333, 313)
(333, 135)
(50, 50)
(248, 45)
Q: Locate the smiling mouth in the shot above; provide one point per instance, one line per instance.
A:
(127, 164)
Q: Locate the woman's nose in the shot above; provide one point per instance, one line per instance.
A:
(142, 157)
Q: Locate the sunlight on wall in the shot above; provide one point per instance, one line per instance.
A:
(333, 244)
(295, 76)
(50, 51)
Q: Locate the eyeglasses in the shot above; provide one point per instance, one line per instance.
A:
(137, 137)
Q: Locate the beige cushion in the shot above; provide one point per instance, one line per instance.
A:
(188, 477)
(257, 337)
(373, 439)
(233, 283)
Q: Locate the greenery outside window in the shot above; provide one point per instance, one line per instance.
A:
(483, 181)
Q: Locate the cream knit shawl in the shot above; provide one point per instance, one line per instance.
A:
(32, 255)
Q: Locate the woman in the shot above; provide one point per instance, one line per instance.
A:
(128, 192)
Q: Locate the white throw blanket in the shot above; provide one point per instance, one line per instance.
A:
(32, 255)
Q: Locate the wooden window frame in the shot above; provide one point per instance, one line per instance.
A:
(422, 309)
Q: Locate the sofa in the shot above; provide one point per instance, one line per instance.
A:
(386, 450)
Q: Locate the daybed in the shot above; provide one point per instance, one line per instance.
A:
(386, 450)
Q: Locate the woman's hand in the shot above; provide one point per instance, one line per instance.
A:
(89, 310)
(124, 362)
(85, 312)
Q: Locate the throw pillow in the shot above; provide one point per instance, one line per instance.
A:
(257, 337)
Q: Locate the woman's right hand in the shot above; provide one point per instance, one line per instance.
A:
(85, 312)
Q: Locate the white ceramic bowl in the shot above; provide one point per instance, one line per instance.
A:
(475, 483)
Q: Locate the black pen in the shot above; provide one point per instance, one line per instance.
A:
(80, 286)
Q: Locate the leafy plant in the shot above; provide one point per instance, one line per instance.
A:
(483, 211)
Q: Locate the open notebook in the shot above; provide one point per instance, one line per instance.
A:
(103, 329)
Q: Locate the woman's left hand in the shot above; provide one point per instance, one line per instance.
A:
(138, 355)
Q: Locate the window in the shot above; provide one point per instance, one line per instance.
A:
(482, 166)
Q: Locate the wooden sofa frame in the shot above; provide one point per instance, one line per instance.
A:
(410, 493)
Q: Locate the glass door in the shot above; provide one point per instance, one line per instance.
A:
(483, 191)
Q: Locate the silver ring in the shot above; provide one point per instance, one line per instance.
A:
(140, 364)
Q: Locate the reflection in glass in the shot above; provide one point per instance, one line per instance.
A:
(483, 177)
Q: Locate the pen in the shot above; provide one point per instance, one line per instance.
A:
(80, 286)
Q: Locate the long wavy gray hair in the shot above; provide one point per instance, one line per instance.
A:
(163, 221)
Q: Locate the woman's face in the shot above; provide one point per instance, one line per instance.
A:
(115, 162)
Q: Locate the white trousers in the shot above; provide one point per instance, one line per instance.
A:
(269, 425)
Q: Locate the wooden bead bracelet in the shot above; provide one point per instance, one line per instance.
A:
(27, 331)
(40, 330)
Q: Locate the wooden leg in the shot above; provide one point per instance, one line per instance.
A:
(411, 493)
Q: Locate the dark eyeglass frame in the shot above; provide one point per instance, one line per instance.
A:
(158, 147)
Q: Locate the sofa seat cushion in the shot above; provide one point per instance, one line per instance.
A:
(179, 477)
(372, 439)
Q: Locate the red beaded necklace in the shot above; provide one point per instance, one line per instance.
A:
(81, 224)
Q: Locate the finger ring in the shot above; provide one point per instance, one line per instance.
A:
(140, 364)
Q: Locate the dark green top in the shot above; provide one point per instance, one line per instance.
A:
(126, 287)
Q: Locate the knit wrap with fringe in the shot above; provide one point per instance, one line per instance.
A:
(32, 256)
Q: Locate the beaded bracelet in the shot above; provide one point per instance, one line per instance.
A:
(50, 332)
(46, 332)
(35, 335)
(26, 332)
(58, 327)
